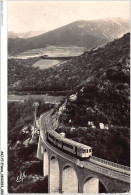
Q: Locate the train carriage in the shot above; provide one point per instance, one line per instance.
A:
(80, 150)
(68, 146)
(54, 138)
(59, 142)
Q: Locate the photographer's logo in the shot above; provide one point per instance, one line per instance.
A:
(21, 177)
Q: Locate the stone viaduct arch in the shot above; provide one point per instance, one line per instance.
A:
(107, 176)
(45, 162)
(94, 184)
(54, 175)
(69, 185)
(83, 175)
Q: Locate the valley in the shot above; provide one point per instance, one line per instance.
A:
(50, 51)
(68, 97)
(85, 87)
(50, 56)
(92, 65)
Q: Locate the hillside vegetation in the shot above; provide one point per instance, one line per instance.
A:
(104, 89)
(112, 145)
(102, 97)
(22, 148)
(109, 64)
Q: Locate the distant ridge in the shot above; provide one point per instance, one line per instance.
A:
(81, 33)
(24, 35)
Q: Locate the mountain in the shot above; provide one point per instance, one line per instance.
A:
(24, 35)
(88, 34)
(12, 35)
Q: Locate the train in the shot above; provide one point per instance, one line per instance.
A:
(78, 150)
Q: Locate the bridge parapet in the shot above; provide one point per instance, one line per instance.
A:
(105, 163)
(100, 168)
(106, 171)
(110, 164)
(91, 166)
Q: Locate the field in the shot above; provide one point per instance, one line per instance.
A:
(52, 51)
(47, 63)
(46, 98)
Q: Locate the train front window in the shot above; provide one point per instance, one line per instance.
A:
(84, 151)
(89, 150)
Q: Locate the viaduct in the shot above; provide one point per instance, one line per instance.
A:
(67, 174)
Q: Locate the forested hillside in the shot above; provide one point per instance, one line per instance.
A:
(104, 90)
(108, 65)
(25, 172)
(102, 99)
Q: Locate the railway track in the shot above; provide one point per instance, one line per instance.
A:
(102, 166)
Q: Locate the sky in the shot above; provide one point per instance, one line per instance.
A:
(24, 16)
